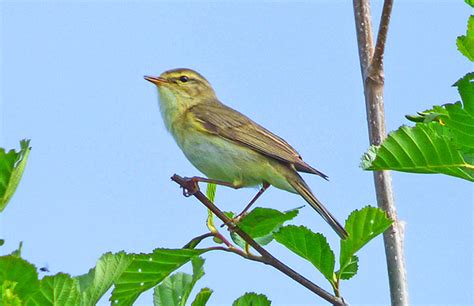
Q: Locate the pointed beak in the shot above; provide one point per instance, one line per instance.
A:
(155, 80)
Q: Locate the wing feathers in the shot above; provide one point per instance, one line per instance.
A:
(216, 118)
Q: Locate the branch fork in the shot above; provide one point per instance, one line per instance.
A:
(371, 64)
(265, 257)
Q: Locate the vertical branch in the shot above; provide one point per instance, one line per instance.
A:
(371, 61)
(363, 26)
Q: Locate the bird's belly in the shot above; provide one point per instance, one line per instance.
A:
(224, 160)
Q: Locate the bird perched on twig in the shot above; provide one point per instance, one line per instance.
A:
(229, 148)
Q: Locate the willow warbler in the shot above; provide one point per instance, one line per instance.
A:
(227, 146)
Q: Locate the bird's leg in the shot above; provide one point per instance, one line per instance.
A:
(213, 181)
(193, 186)
(265, 186)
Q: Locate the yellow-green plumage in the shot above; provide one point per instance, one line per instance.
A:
(225, 145)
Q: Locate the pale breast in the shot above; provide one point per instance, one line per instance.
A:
(221, 159)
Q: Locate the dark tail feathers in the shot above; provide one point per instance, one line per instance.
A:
(300, 186)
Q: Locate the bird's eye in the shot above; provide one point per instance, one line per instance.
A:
(183, 78)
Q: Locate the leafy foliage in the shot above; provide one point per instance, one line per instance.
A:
(311, 246)
(175, 290)
(12, 165)
(131, 273)
(465, 43)
(261, 223)
(60, 289)
(18, 279)
(362, 225)
(252, 299)
(95, 284)
(147, 270)
(441, 142)
(202, 297)
(350, 269)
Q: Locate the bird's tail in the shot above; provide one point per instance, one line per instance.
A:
(300, 186)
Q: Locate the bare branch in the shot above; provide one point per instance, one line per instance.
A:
(242, 254)
(373, 80)
(266, 257)
(377, 59)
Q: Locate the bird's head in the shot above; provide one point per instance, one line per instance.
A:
(183, 84)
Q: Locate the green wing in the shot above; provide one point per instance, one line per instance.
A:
(219, 119)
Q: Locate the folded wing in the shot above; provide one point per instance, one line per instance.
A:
(219, 119)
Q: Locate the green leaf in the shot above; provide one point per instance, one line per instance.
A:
(252, 299)
(465, 43)
(441, 142)
(147, 270)
(260, 224)
(362, 225)
(12, 165)
(211, 192)
(202, 297)
(175, 289)
(350, 269)
(421, 149)
(263, 221)
(470, 2)
(194, 242)
(58, 290)
(459, 120)
(18, 278)
(170, 291)
(17, 252)
(429, 115)
(465, 87)
(241, 242)
(108, 269)
(311, 246)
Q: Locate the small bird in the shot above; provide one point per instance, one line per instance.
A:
(228, 147)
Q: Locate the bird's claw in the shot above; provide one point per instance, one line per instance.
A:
(186, 193)
(191, 187)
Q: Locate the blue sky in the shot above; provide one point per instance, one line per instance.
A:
(98, 175)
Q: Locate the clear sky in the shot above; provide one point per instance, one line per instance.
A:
(98, 175)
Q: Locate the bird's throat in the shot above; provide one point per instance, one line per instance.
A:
(170, 107)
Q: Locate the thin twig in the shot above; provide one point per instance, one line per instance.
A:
(266, 257)
(236, 251)
(373, 80)
(229, 246)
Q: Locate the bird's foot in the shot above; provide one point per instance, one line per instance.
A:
(190, 187)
